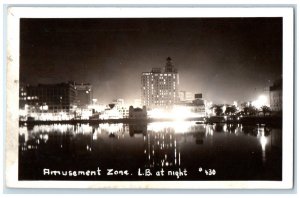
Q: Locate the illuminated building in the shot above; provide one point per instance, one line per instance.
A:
(119, 102)
(124, 111)
(22, 96)
(185, 96)
(110, 112)
(196, 108)
(160, 87)
(276, 96)
(56, 97)
(120, 106)
(182, 110)
(84, 94)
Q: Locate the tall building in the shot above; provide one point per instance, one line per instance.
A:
(84, 94)
(48, 97)
(137, 103)
(22, 96)
(160, 86)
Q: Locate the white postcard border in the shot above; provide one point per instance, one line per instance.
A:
(13, 32)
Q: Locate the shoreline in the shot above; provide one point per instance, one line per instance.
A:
(273, 120)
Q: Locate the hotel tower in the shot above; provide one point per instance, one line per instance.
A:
(160, 86)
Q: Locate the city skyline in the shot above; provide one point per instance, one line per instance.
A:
(213, 56)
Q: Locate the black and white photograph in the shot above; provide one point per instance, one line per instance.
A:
(151, 99)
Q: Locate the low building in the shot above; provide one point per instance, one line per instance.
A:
(119, 102)
(196, 108)
(185, 96)
(124, 111)
(120, 106)
(199, 105)
(111, 112)
(137, 113)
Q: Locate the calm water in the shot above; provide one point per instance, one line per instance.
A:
(153, 151)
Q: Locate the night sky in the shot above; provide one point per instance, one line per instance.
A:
(226, 59)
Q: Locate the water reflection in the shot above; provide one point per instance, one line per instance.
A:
(137, 129)
(152, 145)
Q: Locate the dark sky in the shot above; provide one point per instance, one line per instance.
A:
(226, 59)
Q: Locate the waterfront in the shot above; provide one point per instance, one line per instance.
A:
(217, 151)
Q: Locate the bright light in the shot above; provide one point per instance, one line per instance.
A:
(224, 108)
(263, 141)
(23, 131)
(177, 113)
(111, 128)
(157, 113)
(44, 108)
(180, 113)
(235, 103)
(62, 128)
(46, 116)
(111, 114)
(63, 116)
(86, 113)
(176, 127)
(261, 101)
(22, 112)
(94, 100)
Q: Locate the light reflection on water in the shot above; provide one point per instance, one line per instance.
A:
(157, 144)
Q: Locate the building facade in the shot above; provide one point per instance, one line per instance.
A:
(119, 102)
(137, 103)
(48, 97)
(84, 94)
(120, 106)
(276, 96)
(185, 96)
(137, 113)
(197, 106)
(160, 86)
